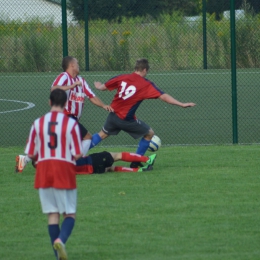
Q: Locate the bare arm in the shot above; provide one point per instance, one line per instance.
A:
(96, 101)
(76, 83)
(100, 86)
(170, 100)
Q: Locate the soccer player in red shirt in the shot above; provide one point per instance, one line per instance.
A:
(55, 142)
(131, 90)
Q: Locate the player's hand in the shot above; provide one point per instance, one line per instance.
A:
(188, 105)
(77, 83)
(108, 108)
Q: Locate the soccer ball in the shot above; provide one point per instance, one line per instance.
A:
(155, 144)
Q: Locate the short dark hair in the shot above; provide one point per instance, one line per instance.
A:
(142, 64)
(58, 97)
(66, 62)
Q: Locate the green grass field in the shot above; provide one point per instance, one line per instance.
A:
(210, 122)
(199, 202)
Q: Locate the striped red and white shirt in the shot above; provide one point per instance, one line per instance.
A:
(75, 96)
(55, 139)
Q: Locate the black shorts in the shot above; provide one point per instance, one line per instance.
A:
(83, 130)
(101, 161)
(135, 128)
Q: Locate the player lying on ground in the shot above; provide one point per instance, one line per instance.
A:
(102, 162)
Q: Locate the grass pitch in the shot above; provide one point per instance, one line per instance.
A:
(199, 202)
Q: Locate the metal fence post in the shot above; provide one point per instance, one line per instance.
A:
(233, 70)
(64, 28)
(86, 35)
(204, 24)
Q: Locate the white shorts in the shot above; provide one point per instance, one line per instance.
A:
(58, 200)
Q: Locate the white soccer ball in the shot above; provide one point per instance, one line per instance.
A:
(155, 144)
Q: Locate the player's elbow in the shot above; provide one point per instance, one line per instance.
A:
(164, 97)
(102, 87)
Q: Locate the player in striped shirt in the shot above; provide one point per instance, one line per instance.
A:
(77, 91)
(131, 90)
(55, 142)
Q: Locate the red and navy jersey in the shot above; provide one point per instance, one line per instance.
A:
(55, 139)
(76, 96)
(132, 89)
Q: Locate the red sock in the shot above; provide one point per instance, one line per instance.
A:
(125, 169)
(133, 157)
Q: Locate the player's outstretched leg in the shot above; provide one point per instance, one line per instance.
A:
(60, 248)
(133, 157)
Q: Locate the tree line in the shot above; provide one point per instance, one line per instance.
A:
(115, 10)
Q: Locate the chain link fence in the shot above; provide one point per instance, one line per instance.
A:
(189, 59)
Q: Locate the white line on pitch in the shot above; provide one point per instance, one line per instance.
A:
(29, 105)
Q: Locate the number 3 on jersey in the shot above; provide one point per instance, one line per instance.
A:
(126, 92)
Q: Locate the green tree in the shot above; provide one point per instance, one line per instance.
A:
(115, 10)
(187, 7)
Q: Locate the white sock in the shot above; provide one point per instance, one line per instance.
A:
(85, 146)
